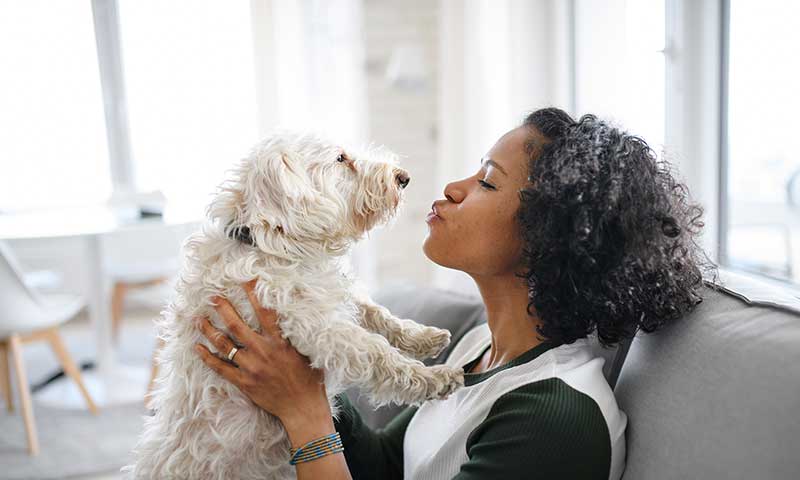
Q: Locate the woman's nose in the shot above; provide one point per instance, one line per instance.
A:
(453, 193)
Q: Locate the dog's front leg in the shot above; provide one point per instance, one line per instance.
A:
(417, 340)
(355, 356)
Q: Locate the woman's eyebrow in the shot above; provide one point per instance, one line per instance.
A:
(491, 163)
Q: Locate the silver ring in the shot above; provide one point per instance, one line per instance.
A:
(232, 353)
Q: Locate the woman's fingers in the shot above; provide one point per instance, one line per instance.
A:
(267, 317)
(228, 371)
(233, 321)
(221, 342)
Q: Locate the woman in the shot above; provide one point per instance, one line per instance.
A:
(567, 228)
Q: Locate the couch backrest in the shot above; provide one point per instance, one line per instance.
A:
(716, 395)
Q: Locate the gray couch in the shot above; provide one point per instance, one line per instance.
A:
(714, 396)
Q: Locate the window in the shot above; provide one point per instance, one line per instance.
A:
(619, 64)
(190, 83)
(761, 226)
(52, 128)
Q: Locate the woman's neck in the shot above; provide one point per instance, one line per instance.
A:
(513, 329)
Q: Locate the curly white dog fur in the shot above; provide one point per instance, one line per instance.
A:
(288, 216)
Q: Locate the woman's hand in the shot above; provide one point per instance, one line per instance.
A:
(269, 370)
(266, 368)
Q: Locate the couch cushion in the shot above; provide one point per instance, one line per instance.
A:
(716, 395)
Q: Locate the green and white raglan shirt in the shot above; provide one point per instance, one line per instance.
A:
(547, 414)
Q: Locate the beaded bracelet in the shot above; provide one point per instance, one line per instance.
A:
(331, 443)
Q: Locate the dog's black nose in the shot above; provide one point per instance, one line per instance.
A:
(402, 179)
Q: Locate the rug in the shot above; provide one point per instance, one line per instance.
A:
(73, 443)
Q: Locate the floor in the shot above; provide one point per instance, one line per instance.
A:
(135, 346)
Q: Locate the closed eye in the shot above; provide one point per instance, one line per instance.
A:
(486, 185)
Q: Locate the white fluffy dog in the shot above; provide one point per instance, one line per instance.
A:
(288, 216)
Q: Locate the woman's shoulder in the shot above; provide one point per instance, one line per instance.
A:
(546, 425)
(550, 407)
(571, 408)
(545, 410)
(551, 401)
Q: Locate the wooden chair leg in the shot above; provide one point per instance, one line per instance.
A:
(24, 394)
(5, 376)
(153, 370)
(69, 366)
(117, 304)
(118, 293)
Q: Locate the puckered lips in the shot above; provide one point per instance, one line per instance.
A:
(433, 215)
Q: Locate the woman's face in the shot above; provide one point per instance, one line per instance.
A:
(475, 229)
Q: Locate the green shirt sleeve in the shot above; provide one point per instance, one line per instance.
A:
(542, 430)
(372, 454)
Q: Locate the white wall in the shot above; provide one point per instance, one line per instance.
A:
(403, 117)
(500, 60)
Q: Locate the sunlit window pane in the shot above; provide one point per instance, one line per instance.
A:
(763, 162)
(619, 65)
(52, 130)
(191, 92)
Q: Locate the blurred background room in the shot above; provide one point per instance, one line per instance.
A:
(118, 118)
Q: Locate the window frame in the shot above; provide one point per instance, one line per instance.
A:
(115, 105)
(722, 171)
(723, 161)
(692, 111)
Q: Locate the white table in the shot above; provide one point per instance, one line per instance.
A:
(111, 383)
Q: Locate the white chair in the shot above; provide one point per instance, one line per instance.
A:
(125, 278)
(140, 260)
(26, 316)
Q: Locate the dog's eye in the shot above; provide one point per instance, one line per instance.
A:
(341, 158)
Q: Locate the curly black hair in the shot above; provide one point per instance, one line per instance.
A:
(608, 233)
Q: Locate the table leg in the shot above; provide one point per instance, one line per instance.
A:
(111, 383)
(99, 307)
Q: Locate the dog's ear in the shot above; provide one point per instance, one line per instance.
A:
(292, 204)
(228, 205)
(271, 191)
(278, 189)
(262, 189)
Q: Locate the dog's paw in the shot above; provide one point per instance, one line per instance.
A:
(420, 383)
(429, 342)
(447, 380)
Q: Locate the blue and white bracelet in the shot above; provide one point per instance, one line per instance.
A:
(331, 443)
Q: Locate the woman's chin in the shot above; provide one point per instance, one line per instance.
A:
(432, 250)
(428, 248)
